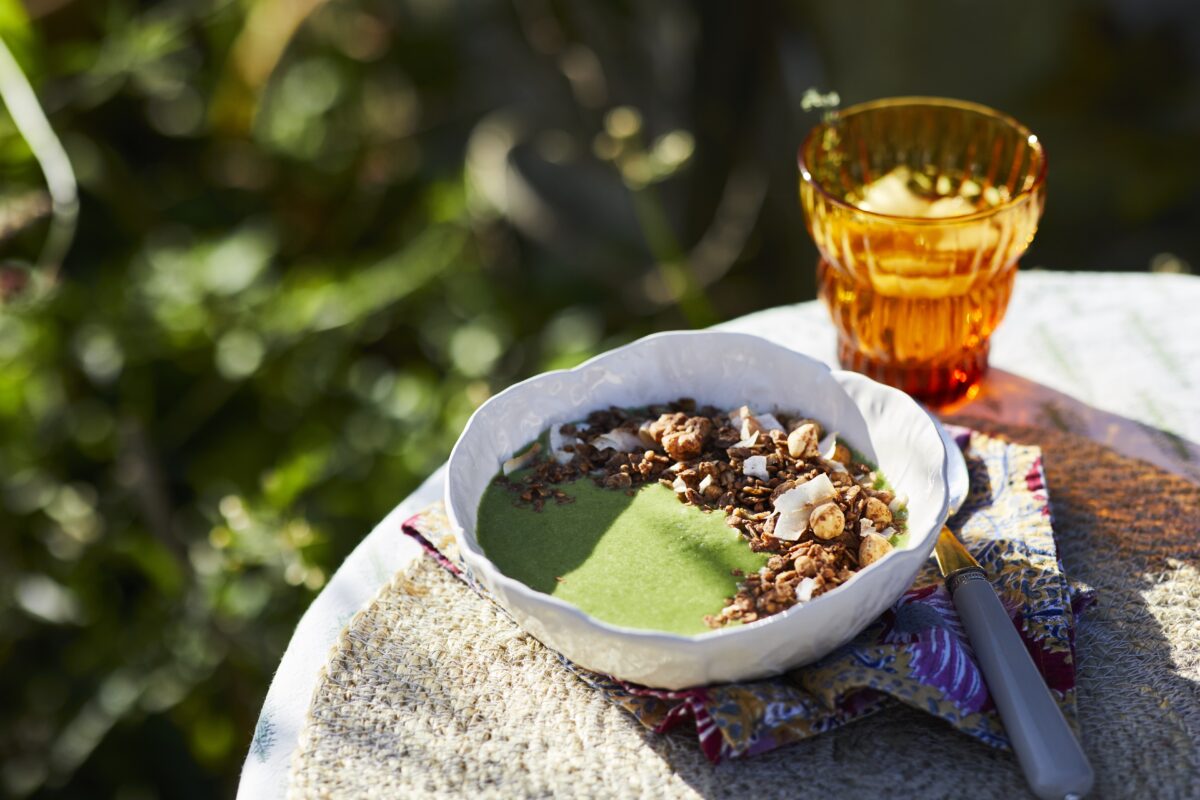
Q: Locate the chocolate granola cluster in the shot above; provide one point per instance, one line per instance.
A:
(739, 464)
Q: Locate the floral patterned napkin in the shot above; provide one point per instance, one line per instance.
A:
(915, 653)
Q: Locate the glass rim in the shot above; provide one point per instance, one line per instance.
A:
(1020, 197)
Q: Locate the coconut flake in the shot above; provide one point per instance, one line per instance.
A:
(558, 441)
(517, 462)
(804, 590)
(888, 532)
(618, 439)
(646, 437)
(679, 485)
(796, 504)
(866, 526)
(898, 503)
(704, 484)
(790, 527)
(809, 493)
(828, 446)
(756, 467)
(749, 441)
(834, 466)
(769, 423)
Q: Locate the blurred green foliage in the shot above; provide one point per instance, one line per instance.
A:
(314, 236)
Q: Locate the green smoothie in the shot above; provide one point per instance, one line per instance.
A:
(641, 561)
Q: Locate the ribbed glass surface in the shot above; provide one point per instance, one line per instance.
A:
(920, 208)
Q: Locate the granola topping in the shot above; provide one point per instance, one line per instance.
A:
(787, 487)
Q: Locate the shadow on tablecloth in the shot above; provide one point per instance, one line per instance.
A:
(1006, 398)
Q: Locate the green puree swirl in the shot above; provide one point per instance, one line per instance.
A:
(646, 561)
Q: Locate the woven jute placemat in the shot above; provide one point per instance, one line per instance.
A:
(431, 691)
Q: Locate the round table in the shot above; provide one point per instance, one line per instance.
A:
(1111, 356)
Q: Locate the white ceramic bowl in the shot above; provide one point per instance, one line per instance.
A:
(726, 370)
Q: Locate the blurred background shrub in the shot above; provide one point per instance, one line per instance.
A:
(313, 236)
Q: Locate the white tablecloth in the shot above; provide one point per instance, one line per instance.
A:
(1115, 357)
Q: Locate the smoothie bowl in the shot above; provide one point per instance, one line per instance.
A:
(697, 507)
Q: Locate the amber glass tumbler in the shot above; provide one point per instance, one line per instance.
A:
(920, 208)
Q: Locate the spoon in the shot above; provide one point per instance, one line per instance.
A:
(1054, 764)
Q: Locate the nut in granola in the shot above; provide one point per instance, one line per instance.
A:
(872, 548)
(827, 521)
(878, 512)
(803, 441)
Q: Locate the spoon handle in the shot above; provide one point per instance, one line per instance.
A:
(1049, 754)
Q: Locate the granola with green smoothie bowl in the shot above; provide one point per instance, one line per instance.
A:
(684, 519)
